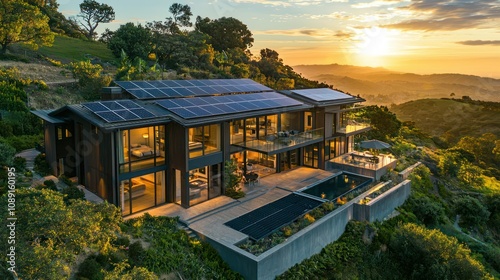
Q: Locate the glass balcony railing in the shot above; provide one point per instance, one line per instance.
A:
(353, 126)
(283, 140)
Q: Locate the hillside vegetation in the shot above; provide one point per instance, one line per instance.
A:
(384, 87)
(448, 118)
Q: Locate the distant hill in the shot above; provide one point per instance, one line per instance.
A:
(457, 119)
(384, 87)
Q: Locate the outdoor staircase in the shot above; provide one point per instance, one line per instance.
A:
(189, 232)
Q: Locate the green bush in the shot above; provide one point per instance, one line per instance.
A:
(19, 163)
(472, 211)
(90, 269)
(41, 165)
(72, 192)
(122, 241)
(136, 253)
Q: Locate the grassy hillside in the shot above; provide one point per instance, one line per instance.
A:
(66, 49)
(457, 119)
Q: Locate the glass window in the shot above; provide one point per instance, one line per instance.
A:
(59, 133)
(236, 130)
(141, 148)
(142, 192)
(204, 140)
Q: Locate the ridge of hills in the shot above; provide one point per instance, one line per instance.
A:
(384, 87)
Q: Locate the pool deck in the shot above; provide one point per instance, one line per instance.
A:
(208, 218)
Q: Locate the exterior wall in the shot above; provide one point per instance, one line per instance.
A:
(309, 241)
(403, 175)
(50, 146)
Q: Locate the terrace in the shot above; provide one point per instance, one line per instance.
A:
(283, 141)
(363, 163)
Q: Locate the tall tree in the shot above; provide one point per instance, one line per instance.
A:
(226, 33)
(92, 14)
(23, 23)
(181, 17)
(135, 40)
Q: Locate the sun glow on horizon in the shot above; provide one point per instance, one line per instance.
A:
(373, 44)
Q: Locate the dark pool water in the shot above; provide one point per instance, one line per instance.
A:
(337, 186)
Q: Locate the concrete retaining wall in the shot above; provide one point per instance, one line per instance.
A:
(311, 240)
(384, 204)
(403, 175)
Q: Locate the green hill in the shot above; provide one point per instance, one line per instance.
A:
(455, 118)
(66, 49)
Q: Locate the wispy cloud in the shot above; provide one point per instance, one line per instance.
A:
(289, 3)
(376, 3)
(318, 33)
(480, 42)
(430, 15)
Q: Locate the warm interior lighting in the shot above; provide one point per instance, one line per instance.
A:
(323, 195)
(346, 180)
(145, 136)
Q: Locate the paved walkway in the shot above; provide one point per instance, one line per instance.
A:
(208, 218)
(30, 156)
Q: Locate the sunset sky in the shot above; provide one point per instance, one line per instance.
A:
(427, 36)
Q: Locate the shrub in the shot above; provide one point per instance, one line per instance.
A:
(41, 165)
(122, 241)
(90, 269)
(472, 211)
(427, 211)
(136, 253)
(72, 192)
(19, 163)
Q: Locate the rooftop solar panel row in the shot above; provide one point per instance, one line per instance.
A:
(186, 88)
(188, 108)
(322, 94)
(117, 111)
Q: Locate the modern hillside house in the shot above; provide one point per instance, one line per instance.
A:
(149, 143)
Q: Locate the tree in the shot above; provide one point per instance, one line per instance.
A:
(384, 123)
(232, 180)
(225, 33)
(7, 153)
(23, 23)
(54, 232)
(181, 16)
(134, 40)
(472, 211)
(430, 254)
(92, 14)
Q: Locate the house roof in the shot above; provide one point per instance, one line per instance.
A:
(199, 102)
(322, 97)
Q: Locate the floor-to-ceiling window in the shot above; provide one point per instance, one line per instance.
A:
(204, 183)
(142, 192)
(141, 148)
(311, 155)
(204, 140)
(236, 131)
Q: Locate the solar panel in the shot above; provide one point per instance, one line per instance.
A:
(109, 116)
(322, 94)
(126, 115)
(119, 110)
(226, 104)
(183, 88)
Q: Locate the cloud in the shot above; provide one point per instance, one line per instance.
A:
(318, 33)
(480, 42)
(334, 15)
(376, 3)
(289, 3)
(431, 15)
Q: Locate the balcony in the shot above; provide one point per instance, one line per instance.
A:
(353, 126)
(283, 141)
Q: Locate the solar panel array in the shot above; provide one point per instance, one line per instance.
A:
(189, 108)
(187, 88)
(265, 220)
(322, 94)
(118, 111)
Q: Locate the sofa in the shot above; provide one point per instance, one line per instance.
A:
(138, 189)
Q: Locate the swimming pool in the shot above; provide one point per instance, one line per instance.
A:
(337, 186)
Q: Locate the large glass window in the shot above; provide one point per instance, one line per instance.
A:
(141, 148)
(236, 130)
(204, 140)
(311, 156)
(204, 183)
(290, 121)
(142, 192)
